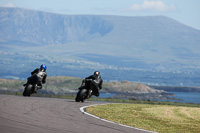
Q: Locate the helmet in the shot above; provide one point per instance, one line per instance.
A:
(43, 67)
(97, 73)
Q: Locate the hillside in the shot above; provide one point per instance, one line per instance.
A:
(40, 28)
(67, 84)
(150, 49)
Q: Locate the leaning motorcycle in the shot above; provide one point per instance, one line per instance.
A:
(85, 91)
(30, 86)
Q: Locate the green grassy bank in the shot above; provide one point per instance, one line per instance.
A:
(159, 118)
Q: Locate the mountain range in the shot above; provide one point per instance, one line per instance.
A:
(148, 49)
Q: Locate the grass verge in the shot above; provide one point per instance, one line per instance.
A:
(159, 118)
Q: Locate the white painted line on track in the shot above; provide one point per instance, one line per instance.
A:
(82, 109)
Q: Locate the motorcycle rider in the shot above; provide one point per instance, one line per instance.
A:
(38, 77)
(96, 82)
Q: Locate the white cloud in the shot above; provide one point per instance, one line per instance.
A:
(9, 5)
(148, 5)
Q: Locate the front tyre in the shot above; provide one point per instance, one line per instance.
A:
(81, 95)
(78, 99)
(27, 90)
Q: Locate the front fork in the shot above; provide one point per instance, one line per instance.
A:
(89, 94)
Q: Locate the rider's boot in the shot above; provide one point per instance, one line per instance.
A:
(35, 90)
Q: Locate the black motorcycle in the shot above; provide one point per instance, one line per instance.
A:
(31, 86)
(85, 91)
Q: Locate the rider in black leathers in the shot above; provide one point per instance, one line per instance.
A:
(38, 77)
(96, 82)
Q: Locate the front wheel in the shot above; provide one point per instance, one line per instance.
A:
(81, 95)
(27, 90)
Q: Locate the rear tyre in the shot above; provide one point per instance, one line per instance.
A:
(82, 100)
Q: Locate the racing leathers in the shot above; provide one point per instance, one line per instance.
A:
(96, 83)
(37, 78)
(41, 75)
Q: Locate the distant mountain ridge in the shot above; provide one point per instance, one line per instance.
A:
(47, 28)
(154, 45)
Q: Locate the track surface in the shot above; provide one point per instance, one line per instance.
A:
(51, 115)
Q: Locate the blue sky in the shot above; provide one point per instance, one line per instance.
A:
(184, 11)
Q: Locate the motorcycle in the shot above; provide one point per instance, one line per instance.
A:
(31, 86)
(85, 91)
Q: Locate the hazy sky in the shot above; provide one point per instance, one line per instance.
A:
(184, 11)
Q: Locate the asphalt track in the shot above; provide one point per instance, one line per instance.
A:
(51, 115)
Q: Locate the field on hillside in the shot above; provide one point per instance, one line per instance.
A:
(67, 84)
